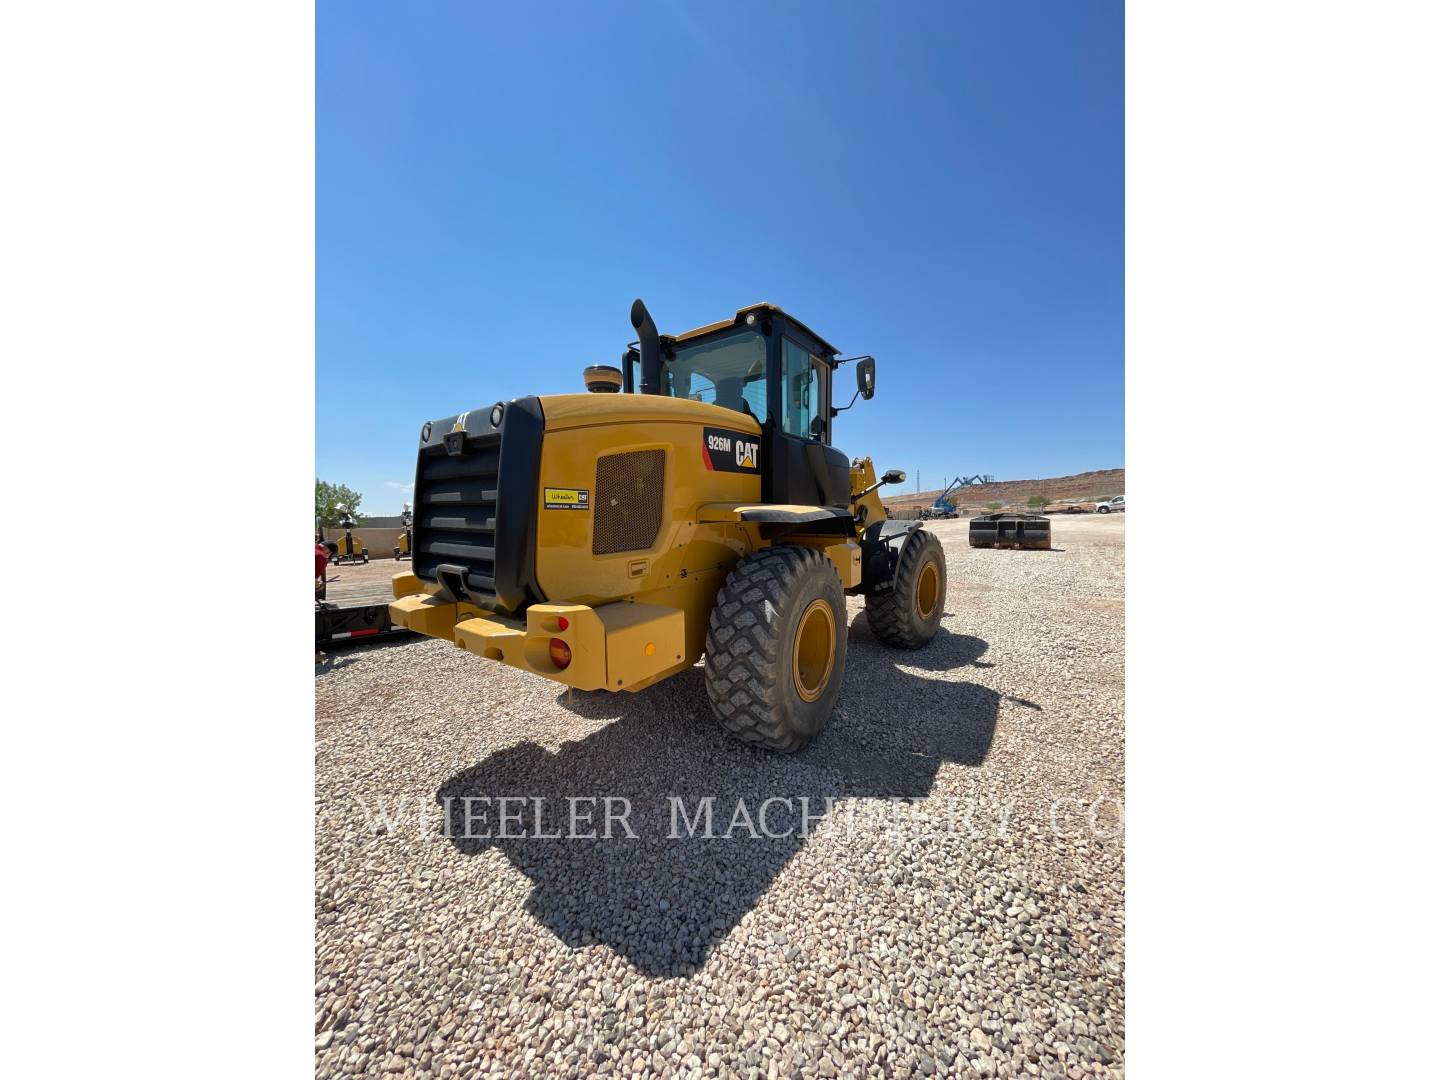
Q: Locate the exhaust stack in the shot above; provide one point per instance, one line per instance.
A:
(649, 348)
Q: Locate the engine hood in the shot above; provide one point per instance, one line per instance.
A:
(563, 411)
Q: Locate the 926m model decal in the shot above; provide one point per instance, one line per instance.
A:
(730, 451)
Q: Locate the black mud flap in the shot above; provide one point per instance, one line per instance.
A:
(880, 550)
(1011, 530)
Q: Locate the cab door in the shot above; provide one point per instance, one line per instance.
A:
(804, 468)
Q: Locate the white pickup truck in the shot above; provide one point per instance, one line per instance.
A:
(1117, 504)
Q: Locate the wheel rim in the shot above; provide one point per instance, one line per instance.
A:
(927, 592)
(813, 655)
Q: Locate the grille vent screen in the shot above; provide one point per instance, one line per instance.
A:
(456, 501)
(629, 497)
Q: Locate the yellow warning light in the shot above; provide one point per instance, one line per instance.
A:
(649, 648)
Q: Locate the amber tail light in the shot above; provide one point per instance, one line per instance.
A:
(559, 653)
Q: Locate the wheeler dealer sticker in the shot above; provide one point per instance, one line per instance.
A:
(730, 451)
(567, 499)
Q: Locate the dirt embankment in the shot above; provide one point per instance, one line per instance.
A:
(1083, 487)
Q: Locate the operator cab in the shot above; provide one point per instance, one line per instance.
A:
(767, 365)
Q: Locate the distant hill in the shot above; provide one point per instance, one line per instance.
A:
(1083, 487)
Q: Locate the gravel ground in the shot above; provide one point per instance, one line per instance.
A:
(958, 911)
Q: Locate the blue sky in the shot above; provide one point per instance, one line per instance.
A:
(941, 185)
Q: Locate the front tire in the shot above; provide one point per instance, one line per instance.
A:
(775, 652)
(908, 615)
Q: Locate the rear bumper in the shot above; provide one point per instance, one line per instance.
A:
(619, 646)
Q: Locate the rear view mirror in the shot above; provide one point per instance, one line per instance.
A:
(864, 381)
(865, 377)
(893, 476)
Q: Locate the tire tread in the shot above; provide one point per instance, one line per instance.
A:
(891, 613)
(743, 650)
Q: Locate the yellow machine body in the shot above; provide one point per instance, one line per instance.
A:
(637, 616)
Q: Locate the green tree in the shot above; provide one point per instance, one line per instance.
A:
(328, 496)
(993, 505)
(1038, 502)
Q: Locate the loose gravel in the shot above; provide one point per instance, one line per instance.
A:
(959, 910)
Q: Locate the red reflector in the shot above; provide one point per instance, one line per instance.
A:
(365, 633)
(559, 653)
(564, 623)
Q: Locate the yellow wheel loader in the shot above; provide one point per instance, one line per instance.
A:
(690, 504)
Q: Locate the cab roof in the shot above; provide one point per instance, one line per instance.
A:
(739, 318)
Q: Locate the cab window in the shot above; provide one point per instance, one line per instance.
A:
(800, 383)
(729, 372)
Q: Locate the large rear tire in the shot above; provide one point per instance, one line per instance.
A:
(908, 615)
(775, 652)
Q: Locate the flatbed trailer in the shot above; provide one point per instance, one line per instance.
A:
(335, 625)
(356, 606)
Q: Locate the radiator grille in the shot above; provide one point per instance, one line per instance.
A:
(629, 497)
(455, 506)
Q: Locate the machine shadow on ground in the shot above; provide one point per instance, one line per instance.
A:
(665, 903)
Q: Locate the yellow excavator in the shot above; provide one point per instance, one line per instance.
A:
(690, 504)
